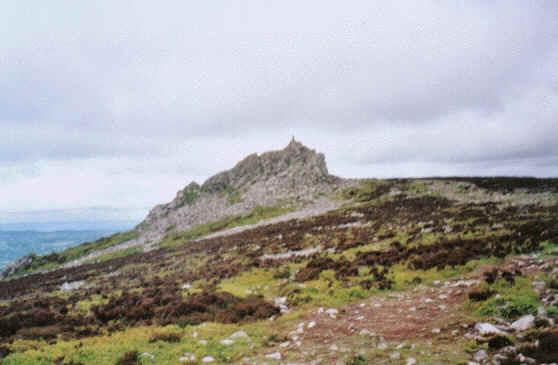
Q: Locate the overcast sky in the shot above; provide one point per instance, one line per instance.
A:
(116, 104)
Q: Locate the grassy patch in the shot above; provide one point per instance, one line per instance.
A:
(233, 196)
(368, 190)
(511, 300)
(200, 341)
(256, 281)
(257, 214)
(190, 194)
(116, 254)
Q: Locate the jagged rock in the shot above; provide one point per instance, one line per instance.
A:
(295, 161)
(15, 266)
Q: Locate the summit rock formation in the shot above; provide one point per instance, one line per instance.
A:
(296, 177)
(293, 175)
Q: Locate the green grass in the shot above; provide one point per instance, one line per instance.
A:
(100, 244)
(510, 301)
(233, 196)
(257, 214)
(191, 194)
(116, 254)
(368, 190)
(552, 311)
(103, 350)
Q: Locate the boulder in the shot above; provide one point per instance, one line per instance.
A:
(524, 323)
(484, 328)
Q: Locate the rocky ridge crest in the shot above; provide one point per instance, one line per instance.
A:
(295, 173)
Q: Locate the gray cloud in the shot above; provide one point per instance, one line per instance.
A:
(152, 96)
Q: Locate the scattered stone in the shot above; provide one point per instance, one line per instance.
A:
(188, 357)
(524, 323)
(436, 330)
(382, 346)
(147, 354)
(480, 356)
(187, 286)
(484, 328)
(240, 334)
(526, 360)
(395, 356)
(208, 359)
(411, 361)
(311, 324)
(366, 332)
(72, 286)
(274, 356)
(333, 347)
(227, 342)
(332, 312)
(539, 286)
(285, 344)
(202, 342)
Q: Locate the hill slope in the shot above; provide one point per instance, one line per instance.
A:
(406, 271)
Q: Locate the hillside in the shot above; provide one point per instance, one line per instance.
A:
(276, 261)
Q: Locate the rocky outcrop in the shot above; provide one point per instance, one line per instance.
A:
(296, 174)
(296, 162)
(15, 266)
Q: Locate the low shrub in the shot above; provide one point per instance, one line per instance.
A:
(307, 273)
(480, 295)
(165, 337)
(282, 273)
(129, 358)
(36, 333)
(4, 351)
(552, 311)
(498, 342)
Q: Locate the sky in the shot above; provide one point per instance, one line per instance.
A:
(108, 108)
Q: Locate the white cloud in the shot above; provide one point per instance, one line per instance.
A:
(116, 105)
